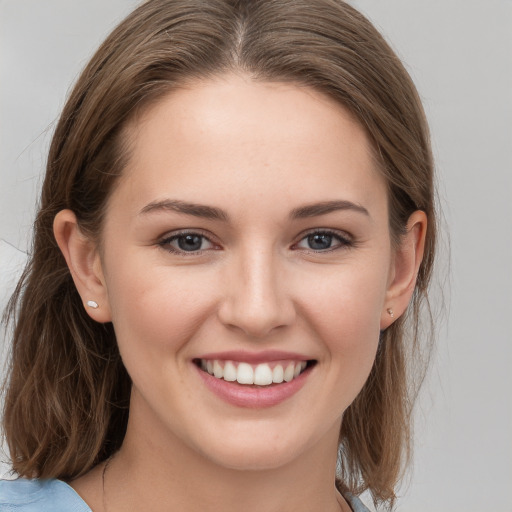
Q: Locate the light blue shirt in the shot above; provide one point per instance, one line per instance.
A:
(23, 495)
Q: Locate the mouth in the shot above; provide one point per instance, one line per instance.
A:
(263, 374)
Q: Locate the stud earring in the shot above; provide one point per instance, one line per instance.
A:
(390, 313)
(92, 304)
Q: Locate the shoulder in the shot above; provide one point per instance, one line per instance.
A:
(24, 495)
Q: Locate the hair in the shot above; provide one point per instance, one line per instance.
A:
(67, 391)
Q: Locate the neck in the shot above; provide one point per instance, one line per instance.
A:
(156, 471)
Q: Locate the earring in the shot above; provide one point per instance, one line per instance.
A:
(390, 313)
(92, 304)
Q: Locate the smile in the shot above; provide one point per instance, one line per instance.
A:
(254, 380)
(262, 374)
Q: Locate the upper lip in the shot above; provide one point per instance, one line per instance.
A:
(265, 356)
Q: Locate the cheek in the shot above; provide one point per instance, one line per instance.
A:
(344, 311)
(156, 310)
(349, 301)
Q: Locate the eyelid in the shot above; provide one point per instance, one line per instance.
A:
(165, 240)
(346, 240)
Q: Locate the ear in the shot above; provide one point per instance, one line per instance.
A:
(84, 263)
(404, 269)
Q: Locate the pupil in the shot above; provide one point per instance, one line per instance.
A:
(319, 241)
(189, 242)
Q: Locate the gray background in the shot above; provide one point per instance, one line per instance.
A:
(459, 53)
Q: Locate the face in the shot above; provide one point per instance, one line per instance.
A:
(248, 238)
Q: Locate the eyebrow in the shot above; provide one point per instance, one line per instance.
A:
(213, 213)
(316, 209)
(197, 210)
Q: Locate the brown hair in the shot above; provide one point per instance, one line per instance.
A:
(67, 393)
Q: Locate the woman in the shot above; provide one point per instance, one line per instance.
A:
(235, 240)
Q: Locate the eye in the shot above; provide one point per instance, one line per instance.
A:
(187, 242)
(321, 241)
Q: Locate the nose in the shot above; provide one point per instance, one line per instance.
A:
(255, 299)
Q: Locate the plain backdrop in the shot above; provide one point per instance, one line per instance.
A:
(459, 52)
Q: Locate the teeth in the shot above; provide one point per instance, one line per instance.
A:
(218, 371)
(229, 371)
(261, 374)
(245, 374)
(289, 372)
(278, 374)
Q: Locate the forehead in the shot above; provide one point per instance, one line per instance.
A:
(234, 140)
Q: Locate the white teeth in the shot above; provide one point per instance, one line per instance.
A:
(218, 371)
(244, 373)
(263, 375)
(289, 372)
(229, 371)
(278, 374)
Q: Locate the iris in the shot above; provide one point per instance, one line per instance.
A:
(320, 241)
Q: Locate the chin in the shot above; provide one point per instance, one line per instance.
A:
(253, 460)
(266, 451)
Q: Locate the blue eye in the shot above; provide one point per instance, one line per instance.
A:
(323, 241)
(186, 242)
(320, 241)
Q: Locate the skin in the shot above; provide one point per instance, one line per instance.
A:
(258, 151)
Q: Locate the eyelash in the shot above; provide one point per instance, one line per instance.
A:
(344, 242)
(166, 243)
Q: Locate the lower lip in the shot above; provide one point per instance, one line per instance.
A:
(253, 397)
